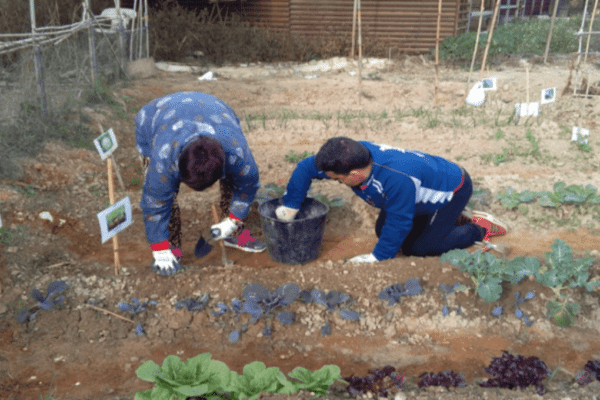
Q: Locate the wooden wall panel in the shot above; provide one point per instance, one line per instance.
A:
(408, 25)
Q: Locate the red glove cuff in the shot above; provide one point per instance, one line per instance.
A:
(234, 217)
(164, 245)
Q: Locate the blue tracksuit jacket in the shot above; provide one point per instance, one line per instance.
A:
(404, 183)
(163, 128)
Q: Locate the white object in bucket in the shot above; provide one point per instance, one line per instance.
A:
(476, 96)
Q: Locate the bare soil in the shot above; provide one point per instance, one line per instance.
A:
(82, 353)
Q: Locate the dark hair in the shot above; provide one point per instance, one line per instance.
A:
(201, 163)
(342, 155)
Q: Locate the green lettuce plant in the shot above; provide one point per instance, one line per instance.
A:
(198, 376)
(318, 381)
(488, 272)
(257, 379)
(563, 271)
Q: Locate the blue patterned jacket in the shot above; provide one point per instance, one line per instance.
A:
(163, 128)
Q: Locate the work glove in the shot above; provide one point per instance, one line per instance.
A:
(224, 228)
(165, 263)
(364, 258)
(286, 214)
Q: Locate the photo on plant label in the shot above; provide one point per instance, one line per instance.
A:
(548, 95)
(489, 83)
(580, 135)
(533, 109)
(106, 143)
(115, 218)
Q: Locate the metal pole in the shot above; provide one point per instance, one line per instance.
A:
(549, 39)
(37, 58)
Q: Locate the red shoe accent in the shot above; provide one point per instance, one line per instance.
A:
(492, 227)
(244, 237)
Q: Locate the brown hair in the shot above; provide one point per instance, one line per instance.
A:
(201, 163)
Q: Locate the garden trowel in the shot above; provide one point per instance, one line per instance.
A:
(503, 249)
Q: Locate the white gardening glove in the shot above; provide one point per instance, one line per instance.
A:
(165, 263)
(364, 258)
(224, 228)
(286, 213)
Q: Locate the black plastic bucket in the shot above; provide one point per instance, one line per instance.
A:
(299, 240)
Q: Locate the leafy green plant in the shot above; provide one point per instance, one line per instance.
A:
(257, 379)
(295, 158)
(318, 381)
(561, 194)
(572, 194)
(198, 376)
(488, 272)
(511, 199)
(563, 271)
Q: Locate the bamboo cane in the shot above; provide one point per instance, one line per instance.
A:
(489, 40)
(111, 199)
(353, 29)
(437, 51)
(587, 45)
(358, 15)
(552, 28)
(476, 46)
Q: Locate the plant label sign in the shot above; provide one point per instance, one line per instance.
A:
(526, 109)
(548, 95)
(580, 135)
(115, 218)
(0, 221)
(106, 144)
(489, 84)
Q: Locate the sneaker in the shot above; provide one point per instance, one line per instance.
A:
(492, 226)
(464, 218)
(245, 242)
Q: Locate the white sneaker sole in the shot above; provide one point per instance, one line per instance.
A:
(489, 217)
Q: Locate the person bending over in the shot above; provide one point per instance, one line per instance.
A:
(194, 138)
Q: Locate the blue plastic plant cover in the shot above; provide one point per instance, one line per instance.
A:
(286, 317)
(234, 336)
(351, 315)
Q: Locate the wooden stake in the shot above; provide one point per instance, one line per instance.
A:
(358, 15)
(587, 45)
(111, 198)
(489, 39)
(437, 52)
(118, 173)
(353, 29)
(476, 46)
(551, 28)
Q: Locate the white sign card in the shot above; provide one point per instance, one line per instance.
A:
(526, 109)
(106, 144)
(548, 95)
(0, 221)
(489, 83)
(115, 218)
(580, 135)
